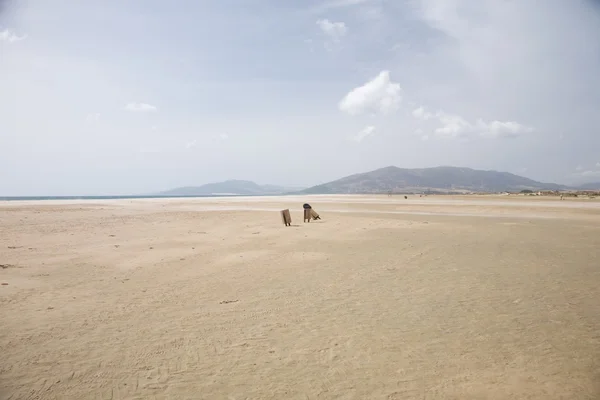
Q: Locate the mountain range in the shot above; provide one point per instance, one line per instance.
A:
(230, 187)
(437, 179)
(383, 180)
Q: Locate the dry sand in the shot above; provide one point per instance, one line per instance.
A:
(426, 298)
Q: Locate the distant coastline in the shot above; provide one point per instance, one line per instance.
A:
(127, 197)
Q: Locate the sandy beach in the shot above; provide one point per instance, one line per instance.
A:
(472, 297)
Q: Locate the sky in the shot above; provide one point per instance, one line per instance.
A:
(130, 97)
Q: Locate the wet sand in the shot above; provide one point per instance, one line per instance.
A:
(468, 297)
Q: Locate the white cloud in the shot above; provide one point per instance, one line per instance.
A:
(9, 36)
(140, 107)
(456, 126)
(154, 128)
(421, 113)
(368, 131)
(453, 125)
(598, 164)
(579, 168)
(224, 136)
(508, 129)
(334, 30)
(191, 145)
(379, 95)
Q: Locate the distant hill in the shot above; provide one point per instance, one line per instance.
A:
(228, 187)
(589, 186)
(438, 179)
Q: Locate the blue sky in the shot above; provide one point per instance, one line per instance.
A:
(119, 97)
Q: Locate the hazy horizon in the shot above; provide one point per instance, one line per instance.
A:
(139, 97)
(290, 187)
